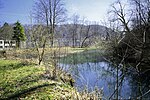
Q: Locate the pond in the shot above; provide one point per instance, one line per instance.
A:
(101, 74)
(92, 75)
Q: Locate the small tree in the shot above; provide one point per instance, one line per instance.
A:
(19, 34)
(39, 38)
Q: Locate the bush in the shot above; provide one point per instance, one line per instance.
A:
(3, 53)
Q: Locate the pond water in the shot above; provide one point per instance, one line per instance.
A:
(100, 74)
(90, 71)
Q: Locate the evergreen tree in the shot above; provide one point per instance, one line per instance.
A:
(6, 32)
(19, 34)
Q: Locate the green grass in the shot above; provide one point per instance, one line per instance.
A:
(16, 76)
(24, 81)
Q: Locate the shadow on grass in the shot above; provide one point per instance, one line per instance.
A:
(28, 79)
(7, 85)
(12, 66)
(19, 93)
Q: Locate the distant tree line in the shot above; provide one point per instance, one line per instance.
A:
(52, 16)
(73, 35)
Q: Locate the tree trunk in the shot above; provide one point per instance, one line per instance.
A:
(18, 44)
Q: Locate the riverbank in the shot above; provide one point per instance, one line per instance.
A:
(27, 81)
(22, 78)
(19, 80)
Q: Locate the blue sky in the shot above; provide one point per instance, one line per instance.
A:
(93, 10)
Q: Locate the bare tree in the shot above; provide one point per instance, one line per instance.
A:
(51, 13)
(39, 38)
(141, 23)
(87, 35)
(135, 42)
(74, 29)
(80, 31)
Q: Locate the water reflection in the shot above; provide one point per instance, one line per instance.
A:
(90, 70)
(99, 75)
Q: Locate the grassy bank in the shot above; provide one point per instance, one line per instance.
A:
(19, 80)
(65, 54)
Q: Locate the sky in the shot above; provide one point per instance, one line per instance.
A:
(19, 10)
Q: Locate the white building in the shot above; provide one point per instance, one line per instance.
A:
(7, 44)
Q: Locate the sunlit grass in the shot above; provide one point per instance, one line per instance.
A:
(18, 80)
(16, 76)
